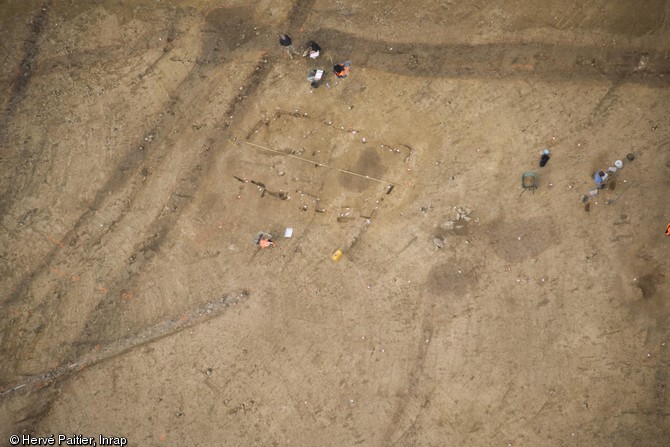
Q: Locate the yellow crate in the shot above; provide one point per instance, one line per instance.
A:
(337, 255)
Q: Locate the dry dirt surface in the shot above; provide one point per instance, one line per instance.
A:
(144, 143)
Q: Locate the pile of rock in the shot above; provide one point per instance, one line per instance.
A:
(463, 214)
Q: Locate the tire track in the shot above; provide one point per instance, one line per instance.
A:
(23, 181)
(121, 177)
(123, 188)
(505, 61)
(299, 13)
(26, 66)
(150, 334)
(411, 390)
(17, 88)
(103, 318)
(127, 171)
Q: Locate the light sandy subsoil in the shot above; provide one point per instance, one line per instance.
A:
(143, 144)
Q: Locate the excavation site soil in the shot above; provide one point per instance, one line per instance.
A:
(430, 283)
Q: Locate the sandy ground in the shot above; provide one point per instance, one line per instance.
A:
(145, 143)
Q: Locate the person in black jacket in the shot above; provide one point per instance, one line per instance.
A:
(544, 158)
(286, 42)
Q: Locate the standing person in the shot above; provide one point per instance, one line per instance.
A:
(544, 158)
(313, 50)
(342, 70)
(286, 42)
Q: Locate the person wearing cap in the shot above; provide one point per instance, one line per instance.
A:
(313, 50)
(286, 42)
(600, 178)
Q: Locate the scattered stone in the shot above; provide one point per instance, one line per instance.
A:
(439, 243)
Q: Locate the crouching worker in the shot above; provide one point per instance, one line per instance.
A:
(313, 50)
(600, 178)
(264, 240)
(342, 70)
(314, 77)
(265, 243)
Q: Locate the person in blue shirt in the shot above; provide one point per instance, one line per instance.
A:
(600, 178)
